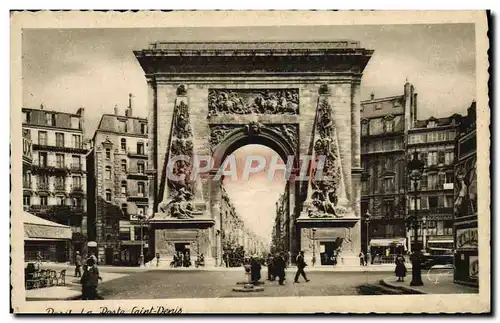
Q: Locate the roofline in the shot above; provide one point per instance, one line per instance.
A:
(54, 111)
(122, 116)
(383, 99)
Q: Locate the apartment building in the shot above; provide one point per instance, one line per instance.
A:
(384, 125)
(118, 188)
(434, 140)
(54, 185)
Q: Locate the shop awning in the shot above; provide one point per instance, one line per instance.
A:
(388, 242)
(445, 239)
(38, 228)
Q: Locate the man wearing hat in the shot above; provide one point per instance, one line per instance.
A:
(78, 264)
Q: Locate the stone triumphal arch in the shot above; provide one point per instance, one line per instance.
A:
(298, 98)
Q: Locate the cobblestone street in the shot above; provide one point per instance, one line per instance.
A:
(209, 284)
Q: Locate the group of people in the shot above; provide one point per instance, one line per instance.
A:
(276, 266)
(89, 278)
(181, 259)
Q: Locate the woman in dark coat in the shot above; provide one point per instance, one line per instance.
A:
(255, 271)
(400, 268)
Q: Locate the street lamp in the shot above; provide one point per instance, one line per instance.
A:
(142, 220)
(367, 220)
(314, 246)
(415, 170)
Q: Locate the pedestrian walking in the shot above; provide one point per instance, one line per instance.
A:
(279, 265)
(361, 259)
(400, 270)
(301, 264)
(157, 259)
(90, 280)
(181, 259)
(78, 265)
(270, 267)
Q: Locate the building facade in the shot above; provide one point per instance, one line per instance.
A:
(54, 185)
(465, 202)
(384, 127)
(118, 188)
(280, 232)
(434, 140)
(234, 234)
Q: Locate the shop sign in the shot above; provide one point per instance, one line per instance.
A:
(467, 238)
(473, 267)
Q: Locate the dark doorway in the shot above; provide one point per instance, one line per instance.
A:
(109, 256)
(329, 251)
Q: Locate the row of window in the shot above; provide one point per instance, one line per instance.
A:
(60, 201)
(445, 135)
(50, 119)
(441, 157)
(434, 181)
(76, 140)
(76, 160)
(430, 202)
(381, 145)
(123, 146)
(123, 127)
(381, 125)
(59, 181)
(124, 189)
(108, 169)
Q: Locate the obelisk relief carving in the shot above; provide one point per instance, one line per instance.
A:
(180, 193)
(326, 190)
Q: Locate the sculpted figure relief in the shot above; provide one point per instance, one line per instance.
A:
(181, 126)
(324, 197)
(180, 189)
(221, 101)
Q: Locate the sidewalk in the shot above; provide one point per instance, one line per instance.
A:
(434, 283)
(72, 290)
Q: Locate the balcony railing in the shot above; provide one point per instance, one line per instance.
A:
(76, 167)
(76, 189)
(43, 186)
(60, 187)
(137, 154)
(39, 208)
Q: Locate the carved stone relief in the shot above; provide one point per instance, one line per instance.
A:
(179, 203)
(219, 132)
(327, 189)
(276, 101)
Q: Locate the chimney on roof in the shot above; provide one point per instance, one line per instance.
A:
(116, 109)
(128, 111)
(372, 96)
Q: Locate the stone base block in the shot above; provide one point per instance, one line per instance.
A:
(248, 288)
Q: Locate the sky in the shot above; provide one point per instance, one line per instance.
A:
(66, 69)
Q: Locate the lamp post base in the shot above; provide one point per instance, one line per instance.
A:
(416, 272)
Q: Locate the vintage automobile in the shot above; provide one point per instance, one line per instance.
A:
(437, 256)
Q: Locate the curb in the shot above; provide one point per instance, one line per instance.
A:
(405, 289)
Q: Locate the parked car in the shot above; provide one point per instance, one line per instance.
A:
(437, 256)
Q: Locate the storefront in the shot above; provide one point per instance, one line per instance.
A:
(45, 239)
(384, 250)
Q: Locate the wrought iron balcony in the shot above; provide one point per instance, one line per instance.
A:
(60, 188)
(76, 189)
(43, 186)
